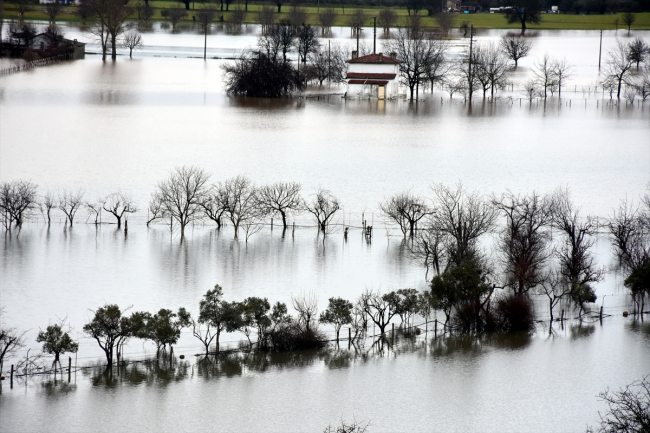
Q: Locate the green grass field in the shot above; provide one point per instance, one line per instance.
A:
(486, 21)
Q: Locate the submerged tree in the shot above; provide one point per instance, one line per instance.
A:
(17, 201)
(514, 47)
(524, 241)
(323, 207)
(577, 264)
(218, 314)
(338, 313)
(56, 342)
(239, 198)
(181, 195)
(281, 198)
(257, 74)
(70, 202)
(406, 210)
(523, 12)
(118, 204)
(108, 328)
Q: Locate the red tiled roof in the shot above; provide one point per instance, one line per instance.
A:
(375, 58)
(380, 82)
(370, 76)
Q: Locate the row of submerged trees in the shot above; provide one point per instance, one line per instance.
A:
(266, 326)
(444, 233)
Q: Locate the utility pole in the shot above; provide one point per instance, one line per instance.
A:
(358, 29)
(374, 35)
(470, 77)
(329, 51)
(600, 51)
(205, 41)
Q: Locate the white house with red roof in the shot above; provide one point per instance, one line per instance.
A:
(373, 76)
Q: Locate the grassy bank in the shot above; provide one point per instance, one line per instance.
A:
(484, 21)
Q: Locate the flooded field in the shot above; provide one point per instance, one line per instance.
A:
(103, 127)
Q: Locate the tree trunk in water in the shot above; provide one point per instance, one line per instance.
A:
(114, 46)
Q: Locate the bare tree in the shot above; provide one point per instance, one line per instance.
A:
(629, 229)
(617, 66)
(514, 47)
(46, 204)
(417, 53)
(174, 14)
(637, 51)
(348, 427)
(266, 17)
(577, 264)
(463, 218)
(356, 20)
(281, 198)
(445, 21)
(562, 71)
(118, 204)
(132, 40)
(145, 14)
(491, 67)
(94, 210)
(306, 41)
(181, 194)
(111, 17)
(387, 18)
(405, 209)
(531, 89)
(214, 204)
(378, 308)
(628, 19)
(524, 241)
(53, 9)
(11, 341)
(326, 20)
(23, 6)
(555, 287)
(428, 248)
(17, 201)
(239, 197)
(252, 225)
(156, 209)
(236, 19)
(297, 16)
(323, 207)
(544, 74)
(306, 305)
(628, 409)
(70, 202)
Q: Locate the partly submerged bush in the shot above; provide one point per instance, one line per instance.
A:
(292, 336)
(256, 74)
(515, 313)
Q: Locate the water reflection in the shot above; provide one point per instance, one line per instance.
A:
(162, 372)
(151, 372)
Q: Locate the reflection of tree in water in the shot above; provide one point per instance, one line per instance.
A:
(56, 388)
(149, 372)
(639, 326)
(227, 365)
(476, 344)
(581, 330)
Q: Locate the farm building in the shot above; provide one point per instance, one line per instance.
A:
(373, 76)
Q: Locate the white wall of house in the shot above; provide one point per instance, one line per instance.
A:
(374, 68)
(370, 91)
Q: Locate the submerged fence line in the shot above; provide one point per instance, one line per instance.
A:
(32, 64)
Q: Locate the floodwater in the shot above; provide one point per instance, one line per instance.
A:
(104, 127)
